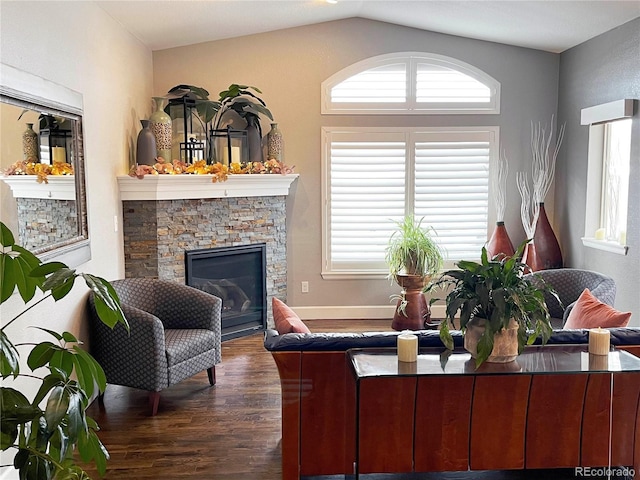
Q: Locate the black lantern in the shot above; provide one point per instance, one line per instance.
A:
(189, 132)
(55, 146)
(228, 145)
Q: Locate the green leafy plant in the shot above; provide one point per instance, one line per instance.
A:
(45, 439)
(206, 108)
(240, 99)
(412, 250)
(495, 290)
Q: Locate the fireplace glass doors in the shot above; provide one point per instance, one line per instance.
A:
(237, 275)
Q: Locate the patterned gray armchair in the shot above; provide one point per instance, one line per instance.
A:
(175, 333)
(569, 284)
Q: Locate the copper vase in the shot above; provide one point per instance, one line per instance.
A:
(416, 312)
(547, 247)
(530, 257)
(500, 243)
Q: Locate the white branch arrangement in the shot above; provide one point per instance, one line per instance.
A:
(499, 185)
(529, 211)
(544, 159)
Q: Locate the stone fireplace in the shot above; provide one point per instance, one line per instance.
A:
(166, 215)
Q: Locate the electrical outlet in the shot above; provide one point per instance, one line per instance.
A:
(305, 287)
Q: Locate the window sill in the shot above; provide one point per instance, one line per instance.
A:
(611, 247)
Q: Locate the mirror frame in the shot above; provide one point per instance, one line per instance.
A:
(26, 87)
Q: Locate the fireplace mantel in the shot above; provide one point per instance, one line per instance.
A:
(177, 187)
(59, 187)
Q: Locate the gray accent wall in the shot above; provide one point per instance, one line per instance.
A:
(601, 70)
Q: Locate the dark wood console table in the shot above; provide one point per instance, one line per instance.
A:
(554, 407)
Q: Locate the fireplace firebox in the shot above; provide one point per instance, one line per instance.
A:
(237, 275)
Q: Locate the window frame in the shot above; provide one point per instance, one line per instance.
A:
(411, 135)
(597, 118)
(411, 106)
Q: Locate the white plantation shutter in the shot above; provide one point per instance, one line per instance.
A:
(372, 178)
(385, 84)
(452, 188)
(436, 83)
(410, 83)
(366, 196)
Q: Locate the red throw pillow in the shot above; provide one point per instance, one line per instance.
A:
(286, 319)
(589, 312)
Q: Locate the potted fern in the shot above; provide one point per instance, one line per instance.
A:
(500, 311)
(413, 257)
(45, 438)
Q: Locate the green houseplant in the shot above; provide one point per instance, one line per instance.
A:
(493, 298)
(412, 256)
(45, 439)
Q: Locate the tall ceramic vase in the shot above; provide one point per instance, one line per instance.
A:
(146, 145)
(547, 247)
(274, 143)
(30, 144)
(531, 258)
(500, 243)
(254, 138)
(160, 124)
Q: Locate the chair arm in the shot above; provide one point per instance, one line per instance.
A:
(181, 306)
(136, 358)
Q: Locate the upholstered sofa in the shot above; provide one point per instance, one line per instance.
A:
(318, 391)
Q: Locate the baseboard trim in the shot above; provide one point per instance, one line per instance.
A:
(355, 312)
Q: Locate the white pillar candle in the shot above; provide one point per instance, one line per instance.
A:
(600, 234)
(235, 154)
(59, 155)
(599, 341)
(407, 347)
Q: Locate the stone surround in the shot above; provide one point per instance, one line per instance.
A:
(45, 221)
(166, 215)
(158, 232)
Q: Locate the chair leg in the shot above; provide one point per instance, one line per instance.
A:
(154, 401)
(211, 372)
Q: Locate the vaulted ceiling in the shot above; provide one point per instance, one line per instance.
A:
(550, 25)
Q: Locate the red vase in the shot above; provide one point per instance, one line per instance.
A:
(530, 257)
(500, 243)
(546, 243)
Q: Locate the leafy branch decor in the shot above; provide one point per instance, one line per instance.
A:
(493, 296)
(544, 159)
(206, 108)
(499, 186)
(500, 243)
(45, 439)
(240, 99)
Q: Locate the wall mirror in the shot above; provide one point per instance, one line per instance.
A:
(50, 219)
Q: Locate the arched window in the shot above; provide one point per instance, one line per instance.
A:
(410, 83)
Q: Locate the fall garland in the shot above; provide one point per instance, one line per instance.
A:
(218, 171)
(41, 170)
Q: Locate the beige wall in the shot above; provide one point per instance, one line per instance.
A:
(289, 66)
(78, 46)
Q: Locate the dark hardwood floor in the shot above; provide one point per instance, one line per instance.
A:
(230, 431)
